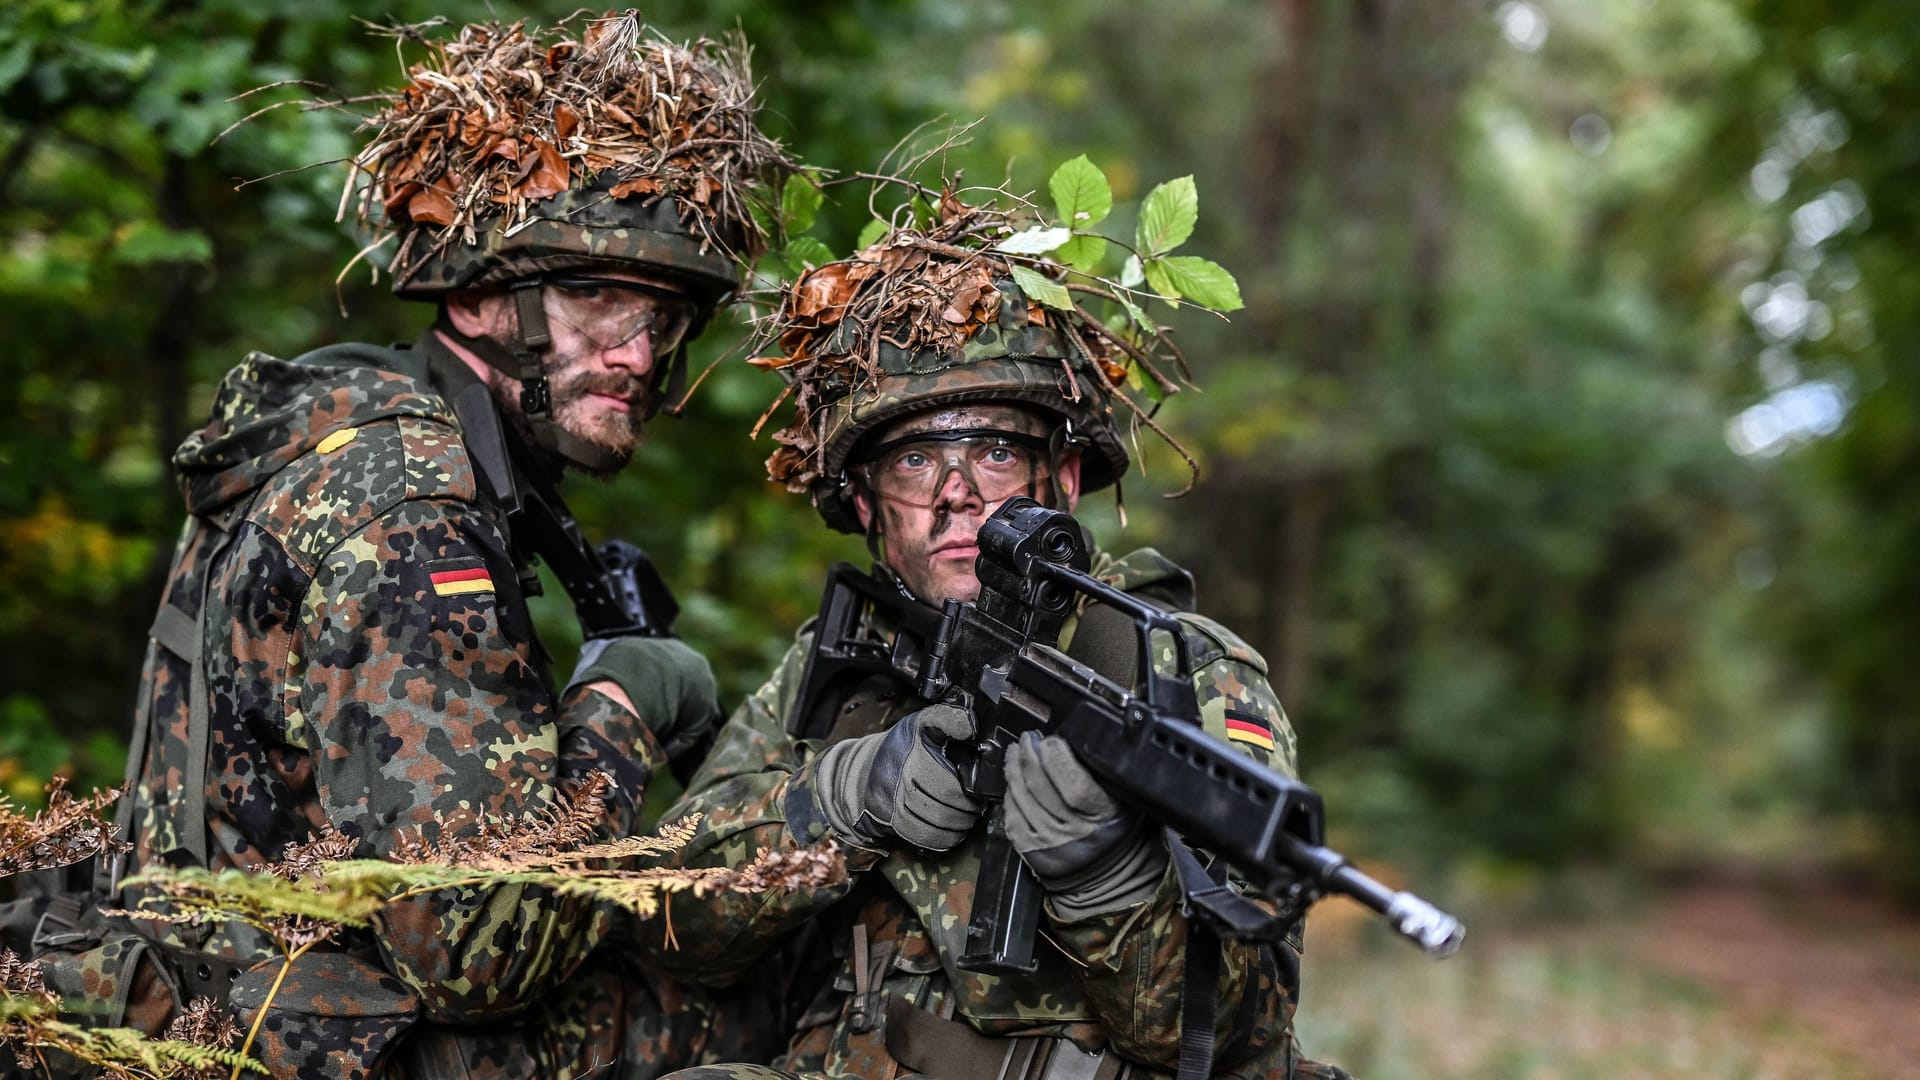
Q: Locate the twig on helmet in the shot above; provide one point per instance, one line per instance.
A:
(1193, 464)
(771, 409)
(1165, 336)
(249, 182)
(1134, 352)
(339, 280)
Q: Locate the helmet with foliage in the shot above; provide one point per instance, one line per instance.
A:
(514, 153)
(961, 307)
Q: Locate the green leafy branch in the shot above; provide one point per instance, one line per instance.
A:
(789, 219)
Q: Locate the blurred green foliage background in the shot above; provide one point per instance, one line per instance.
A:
(1561, 464)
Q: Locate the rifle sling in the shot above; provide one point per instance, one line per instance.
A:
(1201, 986)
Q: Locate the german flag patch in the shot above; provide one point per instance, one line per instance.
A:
(459, 577)
(1248, 728)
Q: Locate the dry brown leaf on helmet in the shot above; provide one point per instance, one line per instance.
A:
(791, 467)
(1115, 373)
(772, 363)
(397, 198)
(900, 258)
(565, 120)
(639, 185)
(549, 174)
(1036, 314)
(793, 342)
(621, 115)
(823, 294)
(959, 310)
(986, 307)
(431, 205)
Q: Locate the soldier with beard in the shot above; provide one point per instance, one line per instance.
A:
(344, 641)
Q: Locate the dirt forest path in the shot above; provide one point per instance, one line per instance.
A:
(1842, 966)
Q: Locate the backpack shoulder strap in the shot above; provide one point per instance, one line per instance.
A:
(182, 635)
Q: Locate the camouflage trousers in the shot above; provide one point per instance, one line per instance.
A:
(615, 1019)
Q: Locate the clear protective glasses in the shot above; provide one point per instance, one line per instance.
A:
(609, 312)
(996, 464)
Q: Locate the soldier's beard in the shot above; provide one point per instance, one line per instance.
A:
(573, 386)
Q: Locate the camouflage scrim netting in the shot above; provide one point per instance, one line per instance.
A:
(927, 317)
(514, 151)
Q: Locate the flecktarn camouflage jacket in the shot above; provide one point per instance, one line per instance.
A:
(899, 925)
(369, 662)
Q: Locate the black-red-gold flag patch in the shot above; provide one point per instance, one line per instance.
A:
(458, 577)
(1250, 729)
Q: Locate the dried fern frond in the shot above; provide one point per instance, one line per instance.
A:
(204, 1023)
(507, 844)
(596, 871)
(196, 1045)
(304, 860)
(66, 832)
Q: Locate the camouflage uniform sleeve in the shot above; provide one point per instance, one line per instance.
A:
(1126, 961)
(741, 794)
(416, 694)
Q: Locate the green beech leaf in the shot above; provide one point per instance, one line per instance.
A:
(1167, 216)
(799, 201)
(762, 215)
(1082, 252)
(1081, 193)
(1034, 241)
(809, 251)
(923, 214)
(1131, 276)
(1040, 287)
(870, 233)
(1139, 316)
(1201, 281)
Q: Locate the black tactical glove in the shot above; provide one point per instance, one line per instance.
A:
(671, 687)
(1091, 855)
(899, 783)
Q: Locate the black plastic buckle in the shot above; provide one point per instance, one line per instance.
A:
(535, 396)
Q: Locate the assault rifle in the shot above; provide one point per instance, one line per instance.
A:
(1000, 656)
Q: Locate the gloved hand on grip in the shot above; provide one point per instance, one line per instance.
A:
(899, 783)
(1092, 855)
(669, 684)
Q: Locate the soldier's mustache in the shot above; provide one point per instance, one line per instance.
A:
(611, 383)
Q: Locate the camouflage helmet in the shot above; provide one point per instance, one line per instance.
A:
(581, 229)
(516, 152)
(1017, 357)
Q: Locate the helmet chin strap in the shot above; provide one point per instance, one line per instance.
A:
(531, 338)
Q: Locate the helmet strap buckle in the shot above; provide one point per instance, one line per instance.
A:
(536, 397)
(531, 334)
